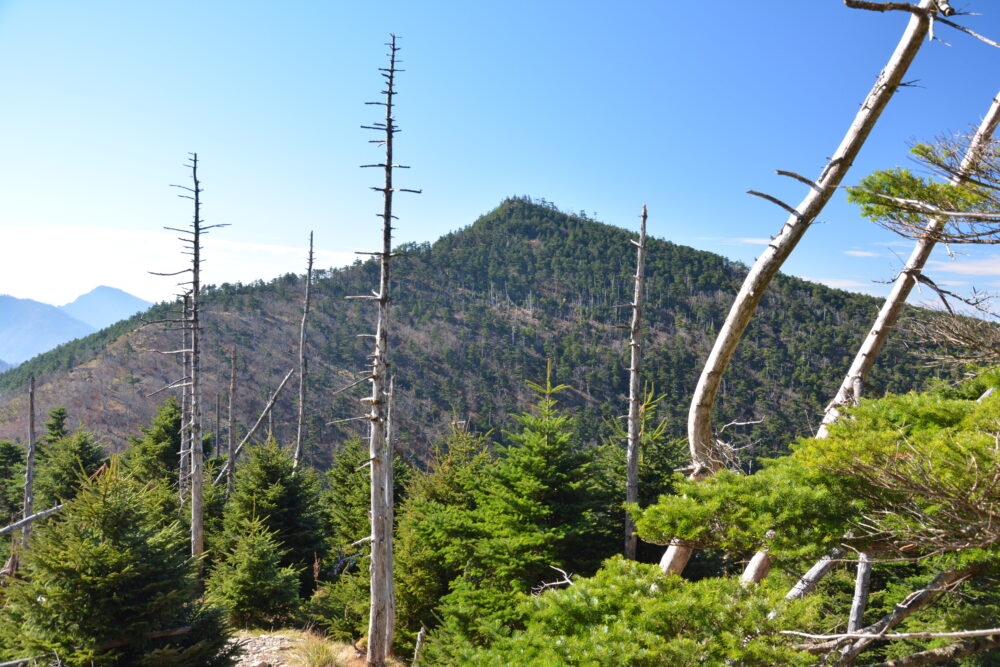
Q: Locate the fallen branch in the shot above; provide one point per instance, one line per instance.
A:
(260, 420)
(28, 519)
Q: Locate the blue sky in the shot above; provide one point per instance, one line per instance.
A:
(593, 106)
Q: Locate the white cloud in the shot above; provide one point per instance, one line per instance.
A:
(862, 253)
(736, 240)
(56, 263)
(986, 266)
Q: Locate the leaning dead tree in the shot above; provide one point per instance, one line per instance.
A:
(381, 620)
(190, 322)
(634, 397)
(229, 422)
(851, 388)
(705, 454)
(302, 358)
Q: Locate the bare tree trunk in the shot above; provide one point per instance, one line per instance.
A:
(862, 581)
(851, 388)
(29, 464)
(302, 358)
(230, 464)
(634, 399)
(229, 421)
(184, 462)
(704, 454)
(197, 476)
(381, 612)
(389, 456)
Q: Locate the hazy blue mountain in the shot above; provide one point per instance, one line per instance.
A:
(103, 306)
(28, 328)
(4, 365)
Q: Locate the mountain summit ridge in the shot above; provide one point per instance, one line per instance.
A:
(475, 315)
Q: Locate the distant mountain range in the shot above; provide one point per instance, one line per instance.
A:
(29, 328)
(475, 315)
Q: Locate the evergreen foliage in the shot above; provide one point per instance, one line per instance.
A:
(103, 579)
(11, 482)
(430, 540)
(286, 502)
(537, 509)
(62, 466)
(630, 613)
(156, 453)
(250, 582)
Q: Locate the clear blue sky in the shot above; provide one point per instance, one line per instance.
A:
(594, 106)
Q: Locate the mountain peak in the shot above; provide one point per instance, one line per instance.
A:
(104, 305)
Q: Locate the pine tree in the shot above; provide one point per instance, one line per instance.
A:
(63, 464)
(250, 582)
(429, 524)
(155, 454)
(286, 501)
(110, 583)
(535, 512)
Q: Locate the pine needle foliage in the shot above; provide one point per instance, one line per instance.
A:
(286, 501)
(103, 579)
(63, 465)
(250, 582)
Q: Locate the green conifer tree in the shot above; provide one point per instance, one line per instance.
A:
(250, 582)
(286, 500)
(63, 464)
(109, 582)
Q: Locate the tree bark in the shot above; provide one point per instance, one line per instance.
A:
(634, 399)
(851, 387)
(195, 450)
(861, 584)
(29, 465)
(302, 359)
(945, 653)
(704, 452)
(229, 423)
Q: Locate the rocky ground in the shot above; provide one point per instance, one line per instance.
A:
(279, 649)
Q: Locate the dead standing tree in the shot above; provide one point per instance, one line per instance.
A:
(634, 397)
(381, 621)
(191, 239)
(302, 358)
(705, 454)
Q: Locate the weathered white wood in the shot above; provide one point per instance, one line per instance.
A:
(757, 568)
(231, 460)
(29, 465)
(634, 399)
(862, 581)
(302, 359)
(229, 424)
(194, 445)
(850, 389)
(28, 519)
(381, 618)
(704, 452)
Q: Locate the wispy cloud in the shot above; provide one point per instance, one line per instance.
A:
(735, 240)
(862, 253)
(88, 256)
(986, 266)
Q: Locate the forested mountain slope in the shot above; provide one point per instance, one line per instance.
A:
(476, 314)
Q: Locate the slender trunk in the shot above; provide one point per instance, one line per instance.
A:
(389, 453)
(229, 421)
(851, 388)
(302, 359)
(29, 464)
(184, 468)
(703, 448)
(862, 581)
(382, 610)
(197, 500)
(634, 425)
